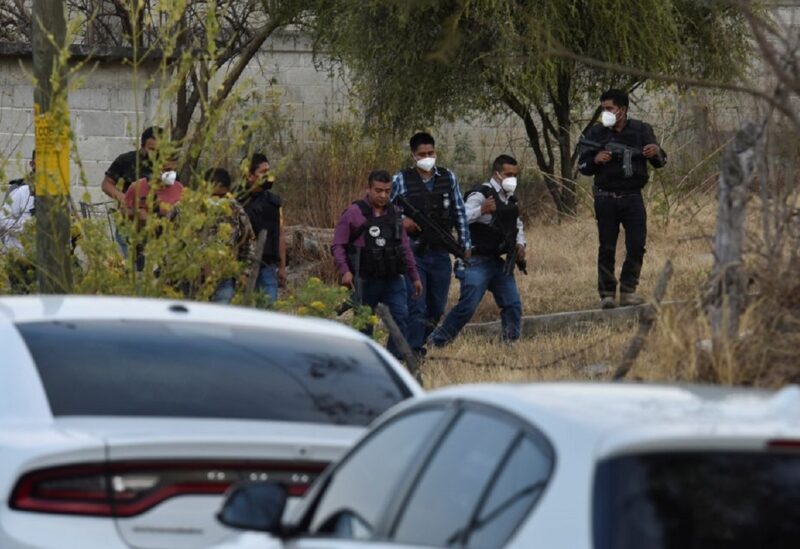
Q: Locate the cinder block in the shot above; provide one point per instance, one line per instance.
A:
(22, 96)
(92, 99)
(92, 148)
(15, 121)
(100, 124)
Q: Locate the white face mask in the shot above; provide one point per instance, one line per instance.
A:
(426, 164)
(168, 178)
(509, 185)
(608, 119)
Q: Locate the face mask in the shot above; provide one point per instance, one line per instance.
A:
(608, 119)
(168, 178)
(426, 164)
(509, 185)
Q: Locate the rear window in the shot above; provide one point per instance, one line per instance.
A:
(698, 500)
(182, 369)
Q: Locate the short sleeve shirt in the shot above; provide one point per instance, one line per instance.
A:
(139, 192)
(124, 168)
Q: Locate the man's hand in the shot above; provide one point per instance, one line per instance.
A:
(417, 289)
(347, 280)
(410, 226)
(602, 157)
(282, 277)
(488, 206)
(651, 150)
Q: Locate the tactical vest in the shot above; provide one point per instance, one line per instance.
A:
(437, 203)
(382, 255)
(265, 213)
(500, 235)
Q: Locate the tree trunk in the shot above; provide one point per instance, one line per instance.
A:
(725, 298)
(562, 107)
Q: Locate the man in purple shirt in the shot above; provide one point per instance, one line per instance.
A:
(372, 252)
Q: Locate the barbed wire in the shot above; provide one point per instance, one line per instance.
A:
(492, 365)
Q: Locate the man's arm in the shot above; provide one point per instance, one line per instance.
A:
(586, 158)
(652, 150)
(474, 206)
(399, 188)
(408, 253)
(109, 187)
(462, 223)
(341, 239)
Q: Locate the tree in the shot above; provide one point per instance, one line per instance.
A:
(206, 44)
(421, 61)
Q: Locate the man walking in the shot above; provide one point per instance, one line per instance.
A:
(433, 190)
(496, 230)
(616, 153)
(265, 210)
(372, 252)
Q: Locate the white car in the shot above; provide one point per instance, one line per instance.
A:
(572, 466)
(123, 421)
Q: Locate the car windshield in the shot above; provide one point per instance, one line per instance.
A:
(731, 500)
(186, 369)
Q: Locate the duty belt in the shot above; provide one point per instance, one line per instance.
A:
(615, 194)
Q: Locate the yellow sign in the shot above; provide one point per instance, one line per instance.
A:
(52, 153)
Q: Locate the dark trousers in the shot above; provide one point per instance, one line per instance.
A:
(392, 293)
(612, 210)
(435, 271)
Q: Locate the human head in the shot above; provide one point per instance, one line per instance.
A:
(150, 138)
(258, 171)
(615, 102)
(504, 166)
(379, 187)
(168, 174)
(220, 179)
(423, 147)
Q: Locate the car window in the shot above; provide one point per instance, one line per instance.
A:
(519, 485)
(449, 489)
(184, 369)
(364, 484)
(694, 500)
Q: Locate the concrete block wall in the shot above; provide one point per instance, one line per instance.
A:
(106, 117)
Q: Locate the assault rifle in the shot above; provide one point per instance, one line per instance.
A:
(354, 297)
(618, 151)
(431, 227)
(512, 258)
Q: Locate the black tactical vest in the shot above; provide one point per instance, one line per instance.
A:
(499, 236)
(437, 203)
(382, 255)
(264, 211)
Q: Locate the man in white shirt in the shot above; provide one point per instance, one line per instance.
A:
(14, 214)
(495, 231)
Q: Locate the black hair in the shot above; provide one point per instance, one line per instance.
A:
(379, 175)
(498, 163)
(153, 132)
(255, 161)
(619, 97)
(421, 138)
(219, 177)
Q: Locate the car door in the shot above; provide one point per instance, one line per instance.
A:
(465, 476)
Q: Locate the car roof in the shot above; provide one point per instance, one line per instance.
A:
(598, 411)
(35, 308)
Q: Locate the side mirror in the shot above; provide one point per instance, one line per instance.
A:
(254, 506)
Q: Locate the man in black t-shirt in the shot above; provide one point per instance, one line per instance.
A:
(131, 166)
(128, 168)
(265, 211)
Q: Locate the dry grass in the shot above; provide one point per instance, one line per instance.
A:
(563, 277)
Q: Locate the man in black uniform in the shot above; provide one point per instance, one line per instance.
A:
(616, 153)
(265, 211)
(128, 168)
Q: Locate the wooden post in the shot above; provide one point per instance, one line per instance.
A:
(646, 322)
(725, 298)
(51, 120)
(399, 340)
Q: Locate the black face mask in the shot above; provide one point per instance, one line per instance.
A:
(267, 182)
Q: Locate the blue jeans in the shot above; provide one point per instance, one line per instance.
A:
(122, 243)
(224, 292)
(392, 293)
(435, 271)
(483, 273)
(267, 281)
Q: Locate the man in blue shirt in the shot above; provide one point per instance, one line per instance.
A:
(434, 190)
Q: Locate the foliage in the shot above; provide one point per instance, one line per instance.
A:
(423, 61)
